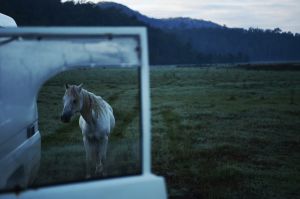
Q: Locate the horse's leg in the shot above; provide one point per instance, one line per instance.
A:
(88, 156)
(102, 147)
(99, 166)
(104, 152)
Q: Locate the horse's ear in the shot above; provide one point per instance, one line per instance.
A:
(67, 86)
(80, 87)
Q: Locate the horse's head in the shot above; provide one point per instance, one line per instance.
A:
(72, 102)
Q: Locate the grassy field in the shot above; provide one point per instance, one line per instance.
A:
(216, 132)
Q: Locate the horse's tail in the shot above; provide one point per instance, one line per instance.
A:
(110, 112)
(102, 107)
(110, 108)
(112, 122)
(112, 117)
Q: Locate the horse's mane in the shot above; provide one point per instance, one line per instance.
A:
(95, 102)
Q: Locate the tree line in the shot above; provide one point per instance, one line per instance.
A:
(257, 44)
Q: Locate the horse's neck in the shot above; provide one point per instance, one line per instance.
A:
(86, 110)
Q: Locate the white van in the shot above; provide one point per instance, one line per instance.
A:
(20, 141)
(31, 56)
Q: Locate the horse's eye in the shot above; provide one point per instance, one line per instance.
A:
(74, 101)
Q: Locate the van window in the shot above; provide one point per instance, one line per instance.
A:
(66, 145)
(80, 94)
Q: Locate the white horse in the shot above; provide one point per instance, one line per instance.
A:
(96, 122)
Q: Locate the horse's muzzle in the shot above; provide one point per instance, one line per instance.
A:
(65, 118)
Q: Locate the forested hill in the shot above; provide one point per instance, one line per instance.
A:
(166, 46)
(167, 23)
(257, 44)
(211, 38)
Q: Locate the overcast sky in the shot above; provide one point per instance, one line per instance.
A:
(266, 14)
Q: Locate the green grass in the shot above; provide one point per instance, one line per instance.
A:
(227, 133)
(216, 132)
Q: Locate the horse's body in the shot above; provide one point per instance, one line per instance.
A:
(96, 122)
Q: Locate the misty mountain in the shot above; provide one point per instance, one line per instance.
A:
(212, 39)
(167, 23)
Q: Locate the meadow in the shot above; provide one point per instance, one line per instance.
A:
(217, 132)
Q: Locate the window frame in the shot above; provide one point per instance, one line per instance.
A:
(110, 32)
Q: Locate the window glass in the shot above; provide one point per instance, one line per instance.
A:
(63, 144)
(70, 106)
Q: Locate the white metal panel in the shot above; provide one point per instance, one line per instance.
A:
(135, 187)
(6, 21)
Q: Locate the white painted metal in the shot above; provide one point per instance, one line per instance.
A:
(6, 21)
(145, 101)
(135, 187)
